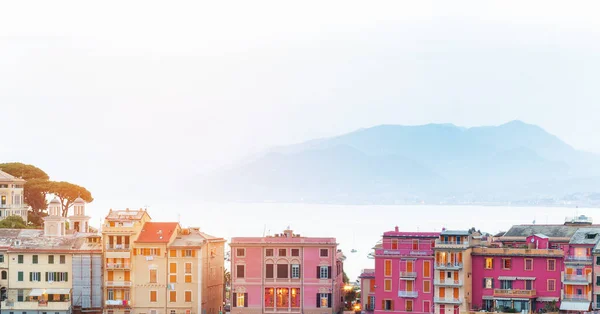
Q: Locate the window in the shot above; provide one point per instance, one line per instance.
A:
(528, 284)
(394, 244)
(528, 264)
(388, 305)
(172, 253)
(188, 253)
(409, 305)
(269, 271)
(173, 312)
(324, 252)
(427, 307)
(415, 244)
(188, 278)
(295, 271)
(295, 252)
(387, 269)
(489, 263)
(426, 269)
(153, 295)
(295, 298)
(551, 284)
(153, 275)
(188, 268)
(387, 285)
(62, 259)
(506, 284)
(20, 259)
(597, 260)
(506, 263)
(1, 258)
(282, 271)
(269, 252)
(240, 252)
(34, 259)
(188, 296)
(111, 294)
(282, 252)
(426, 286)
(172, 268)
(324, 299)
(172, 296)
(239, 271)
(323, 272)
(50, 259)
(20, 276)
(579, 271)
(35, 276)
(20, 297)
(172, 278)
(240, 299)
(4, 275)
(551, 265)
(598, 281)
(57, 276)
(488, 283)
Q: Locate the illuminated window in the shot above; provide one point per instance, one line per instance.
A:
(489, 263)
(488, 283)
(240, 300)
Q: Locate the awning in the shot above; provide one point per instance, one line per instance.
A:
(58, 291)
(574, 306)
(487, 297)
(547, 299)
(506, 278)
(36, 292)
(526, 278)
(502, 299)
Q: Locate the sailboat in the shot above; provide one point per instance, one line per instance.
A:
(354, 244)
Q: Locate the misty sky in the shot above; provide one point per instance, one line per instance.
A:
(130, 98)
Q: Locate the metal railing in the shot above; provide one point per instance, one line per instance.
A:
(118, 265)
(459, 244)
(408, 274)
(447, 300)
(118, 283)
(514, 292)
(455, 265)
(117, 246)
(576, 297)
(448, 282)
(578, 278)
(575, 258)
(408, 294)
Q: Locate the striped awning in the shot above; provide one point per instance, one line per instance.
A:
(487, 297)
(36, 292)
(526, 278)
(58, 291)
(574, 306)
(506, 278)
(547, 299)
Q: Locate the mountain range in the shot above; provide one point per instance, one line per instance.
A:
(435, 163)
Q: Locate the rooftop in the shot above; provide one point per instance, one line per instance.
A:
(455, 232)
(126, 214)
(408, 234)
(551, 231)
(586, 236)
(157, 232)
(5, 177)
(35, 240)
(193, 237)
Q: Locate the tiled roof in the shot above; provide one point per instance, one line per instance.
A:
(551, 231)
(455, 232)
(408, 234)
(126, 214)
(581, 236)
(35, 240)
(157, 232)
(194, 238)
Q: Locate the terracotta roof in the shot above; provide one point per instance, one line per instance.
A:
(157, 232)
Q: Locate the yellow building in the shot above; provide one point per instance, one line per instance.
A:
(159, 267)
(11, 196)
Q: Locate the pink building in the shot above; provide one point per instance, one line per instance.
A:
(286, 273)
(404, 272)
(367, 290)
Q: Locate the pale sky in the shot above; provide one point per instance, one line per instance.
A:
(130, 99)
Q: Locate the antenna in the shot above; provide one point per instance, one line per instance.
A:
(264, 230)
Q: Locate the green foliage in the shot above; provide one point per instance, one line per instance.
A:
(13, 222)
(24, 171)
(346, 279)
(349, 297)
(550, 307)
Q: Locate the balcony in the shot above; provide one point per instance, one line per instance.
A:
(118, 266)
(451, 244)
(514, 293)
(404, 252)
(448, 282)
(118, 283)
(408, 294)
(408, 274)
(576, 297)
(117, 247)
(37, 305)
(447, 300)
(578, 259)
(117, 303)
(449, 266)
(577, 279)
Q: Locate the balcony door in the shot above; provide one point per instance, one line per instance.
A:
(111, 275)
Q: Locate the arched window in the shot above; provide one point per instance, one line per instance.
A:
(4, 275)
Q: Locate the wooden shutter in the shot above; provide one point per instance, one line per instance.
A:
(329, 303)
(234, 301)
(383, 304)
(328, 272)
(194, 255)
(246, 299)
(318, 300)
(299, 271)
(30, 276)
(66, 276)
(46, 276)
(318, 272)
(157, 252)
(484, 282)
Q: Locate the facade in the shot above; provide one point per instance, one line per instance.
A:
(404, 272)
(286, 273)
(596, 277)
(452, 282)
(11, 197)
(160, 267)
(367, 290)
(39, 274)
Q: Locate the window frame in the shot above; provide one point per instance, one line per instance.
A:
(504, 262)
(387, 285)
(406, 307)
(491, 259)
(295, 271)
(237, 271)
(240, 250)
(296, 251)
(427, 284)
(172, 296)
(387, 267)
(325, 251)
(185, 296)
(324, 270)
(553, 264)
(34, 259)
(530, 260)
(269, 252)
(553, 281)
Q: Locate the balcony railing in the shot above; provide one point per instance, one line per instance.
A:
(118, 283)
(35, 305)
(408, 274)
(408, 294)
(454, 244)
(576, 297)
(447, 300)
(584, 279)
(574, 258)
(117, 246)
(514, 292)
(454, 265)
(448, 282)
(117, 303)
(118, 265)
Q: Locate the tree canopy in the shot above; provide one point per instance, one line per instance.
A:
(13, 222)
(37, 187)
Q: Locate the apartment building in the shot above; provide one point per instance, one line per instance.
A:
(367, 290)
(12, 201)
(160, 267)
(38, 272)
(596, 277)
(404, 272)
(286, 273)
(452, 280)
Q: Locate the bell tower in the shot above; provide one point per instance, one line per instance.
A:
(54, 223)
(79, 221)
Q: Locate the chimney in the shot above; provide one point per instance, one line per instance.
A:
(396, 229)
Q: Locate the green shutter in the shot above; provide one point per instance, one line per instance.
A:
(66, 276)
(30, 276)
(20, 276)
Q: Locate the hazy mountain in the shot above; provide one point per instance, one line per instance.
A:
(394, 163)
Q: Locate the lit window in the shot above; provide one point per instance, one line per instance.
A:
(488, 283)
(241, 298)
(489, 263)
